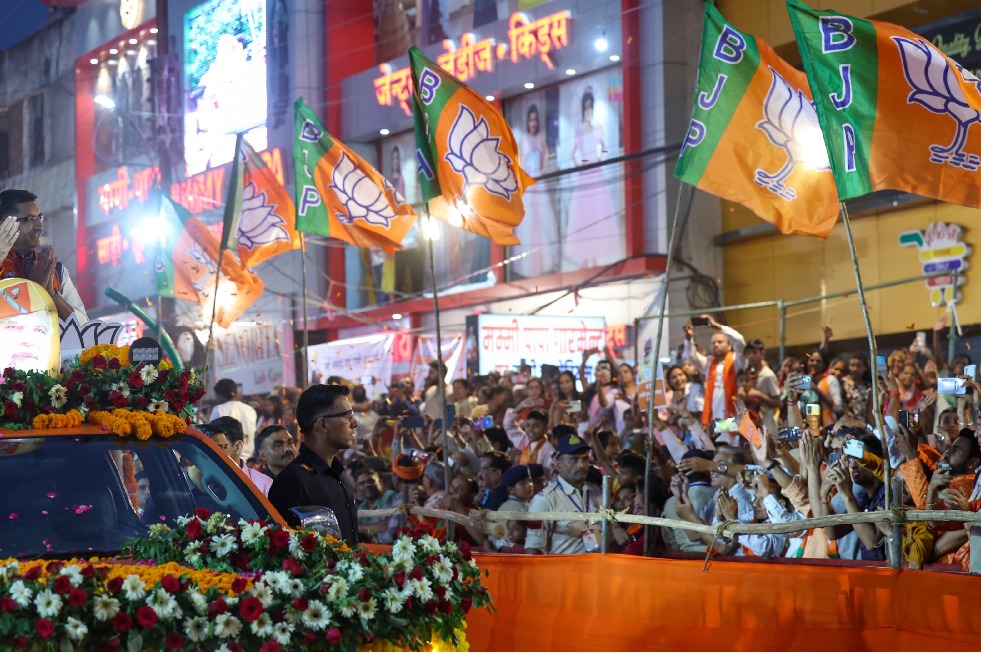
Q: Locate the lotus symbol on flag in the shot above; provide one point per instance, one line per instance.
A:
(362, 198)
(473, 153)
(790, 123)
(201, 283)
(935, 87)
(258, 225)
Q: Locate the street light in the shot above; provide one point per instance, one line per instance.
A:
(104, 101)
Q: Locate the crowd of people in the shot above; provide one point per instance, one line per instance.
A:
(737, 441)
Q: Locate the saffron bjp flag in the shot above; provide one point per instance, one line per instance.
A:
(265, 226)
(188, 264)
(754, 136)
(341, 195)
(895, 111)
(468, 158)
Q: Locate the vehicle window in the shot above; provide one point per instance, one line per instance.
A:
(87, 495)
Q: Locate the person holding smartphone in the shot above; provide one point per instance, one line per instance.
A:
(719, 369)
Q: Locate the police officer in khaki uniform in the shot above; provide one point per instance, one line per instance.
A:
(571, 492)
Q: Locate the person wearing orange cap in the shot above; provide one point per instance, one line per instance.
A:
(26, 258)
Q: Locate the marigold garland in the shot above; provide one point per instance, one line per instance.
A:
(73, 418)
(110, 352)
(142, 424)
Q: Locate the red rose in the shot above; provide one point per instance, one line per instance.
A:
(174, 641)
(292, 566)
(89, 402)
(135, 380)
(308, 543)
(78, 597)
(88, 572)
(84, 389)
(240, 560)
(440, 592)
(202, 513)
(465, 550)
(334, 636)
(7, 604)
(431, 607)
(194, 529)
(399, 578)
(29, 404)
(216, 608)
(20, 642)
(444, 607)
(121, 623)
(361, 557)
(416, 573)
(309, 637)
(430, 560)
(279, 539)
(114, 364)
(99, 362)
(76, 376)
(147, 617)
(44, 628)
(170, 395)
(118, 400)
(182, 380)
(408, 602)
(465, 604)
(300, 603)
(10, 410)
(239, 585)
(250, 608)
(111, 645)
(162, 375)
(115, 585)
(234, 647)
(20, 386)
(271, 646)
(9, 372)
(62, 586)
(32, 574)
(171, 584)
(140, 401)
(364, 594)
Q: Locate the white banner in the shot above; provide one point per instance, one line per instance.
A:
(366, 360)
(453, 358)
(502, 341)
(258, 356)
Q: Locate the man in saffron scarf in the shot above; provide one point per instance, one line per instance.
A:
(719, 369)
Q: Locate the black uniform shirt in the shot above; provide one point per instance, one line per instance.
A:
(308, 481)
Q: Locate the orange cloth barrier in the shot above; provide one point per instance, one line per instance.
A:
(623, 603)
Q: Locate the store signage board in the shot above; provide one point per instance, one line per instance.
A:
(501, 342)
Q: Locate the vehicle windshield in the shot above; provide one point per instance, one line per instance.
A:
(86, 495)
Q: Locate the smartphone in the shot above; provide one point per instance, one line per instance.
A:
(951, 386)
(805, 383)
(789, 435)
(833, 458)
(881, 365)
(971, 371)
(366, 381)
(413, 422)
(854, 448)
(904, 418)
(483, 423)
(699, 321)
(943, 467)
(921, 340)
(813, 413)
(575, 406)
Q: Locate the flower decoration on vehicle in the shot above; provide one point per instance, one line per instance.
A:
(102, 380)
(249, 585)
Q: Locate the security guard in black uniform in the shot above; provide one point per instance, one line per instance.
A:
(313, 478)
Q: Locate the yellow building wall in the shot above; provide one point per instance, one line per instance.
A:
(796, 267)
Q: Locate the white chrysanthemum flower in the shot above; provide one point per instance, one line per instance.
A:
(48, 603)
(223, 545)
(158, 405)
(262, 592)
(429, 544)
(164, 604)
(262, 626)
(422, 589)
(443, 570)
(17, 398)
(348, 610)
(227, 626)
(159, 530)
(316, 616)
(251, 533)
(74, 574)
(367, 610)
(196, 628)
(403, 549)
(296, 588)
(148, 374)
(282, 632)
(75, 629)
(182, 521)
(9, 570)
(352, 570)
(215, 522)
(393, 600)
(120, 387)
(20, 593)
(133, 588)
(295, 550)
(338, 589)
(278, 580)
(192, 548)
(58, 395)
(105, 607)
(199, 602)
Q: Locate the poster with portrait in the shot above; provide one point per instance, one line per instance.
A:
(29, 330)
(575, 220)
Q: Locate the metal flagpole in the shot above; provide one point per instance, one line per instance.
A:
(214, 311)
(306, 329)
(655, 358)
(443, 431)
(887, 472)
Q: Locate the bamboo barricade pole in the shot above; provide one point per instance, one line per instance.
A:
(441, 373)
(655, 357)
(876, 404)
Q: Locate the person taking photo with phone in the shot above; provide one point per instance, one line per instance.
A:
(719, 369)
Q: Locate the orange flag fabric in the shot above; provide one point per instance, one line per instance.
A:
(267, 222)
(754, 136)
